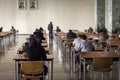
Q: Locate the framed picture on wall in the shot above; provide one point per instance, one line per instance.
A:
(33, 4)
(21, 4)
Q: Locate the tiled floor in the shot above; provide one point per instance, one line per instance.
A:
(8, 50)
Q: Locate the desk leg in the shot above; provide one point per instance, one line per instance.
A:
(74, 64)
(84, 69)
(84, 72)
(71, 60)
(15, 74)
(80, 67)
(52, 70)
(16, 71)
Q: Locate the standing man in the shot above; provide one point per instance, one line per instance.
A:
(50, 29)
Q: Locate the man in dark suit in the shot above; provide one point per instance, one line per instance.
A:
(50, 29)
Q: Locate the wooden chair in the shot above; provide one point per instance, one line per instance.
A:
(32, 69)
(101, 64)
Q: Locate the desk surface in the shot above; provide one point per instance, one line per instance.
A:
(5, 33)
(67, 39)
(23, 58)
(44, 44)
(99, 54)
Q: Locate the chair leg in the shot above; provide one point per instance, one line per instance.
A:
(111, 76)
(102, 76)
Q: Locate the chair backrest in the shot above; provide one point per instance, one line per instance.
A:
(32, 67)
(102, 62)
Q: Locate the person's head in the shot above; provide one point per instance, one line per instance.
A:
(83, 37)
(70, 30)
(79, 35)
(50, 22)
(33, 4)
(57, 27)
(104, 32)
(21, 3)
(12, 27)
(41, 29)
(36, 30)
(31, 36)
(90, 27)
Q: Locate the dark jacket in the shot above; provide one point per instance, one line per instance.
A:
(36, 53)
(71, 35)
(58, 30)
(50, 28)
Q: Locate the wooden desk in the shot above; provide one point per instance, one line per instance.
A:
(67, 39)
(19, 58)
(113, 42)
(44, 44)
(5, 33)
(44, 41)
(90, 35)
(20, 49)
(89, 55)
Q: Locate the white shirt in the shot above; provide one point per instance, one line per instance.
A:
(86, 46)
(76, 43)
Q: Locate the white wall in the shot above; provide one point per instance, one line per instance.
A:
(67, 14)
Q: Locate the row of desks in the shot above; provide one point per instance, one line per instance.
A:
(87, 55)
(19, 58)
(22, 57)
(5, 33)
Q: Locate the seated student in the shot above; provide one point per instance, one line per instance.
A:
(39, 36)
(84, 46)
(36, 52)
(71, 34)
(58, 29)
(1, 29)
(117, 30)
(103, 29)
(90, 30)
(104, 36)
(76, 43)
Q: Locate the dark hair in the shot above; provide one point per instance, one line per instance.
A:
(70, 30)
(41, 29)
(50, 22)
(84, 37)
(79, 35)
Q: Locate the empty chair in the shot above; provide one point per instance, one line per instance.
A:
(101, 64)
(32, 69)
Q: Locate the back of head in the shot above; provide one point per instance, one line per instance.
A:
(51, 22)
(32, 36)
(41, 29)
(79, 35)
(57, 27)
(70, 30)
(12, 26)
(84, 37)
